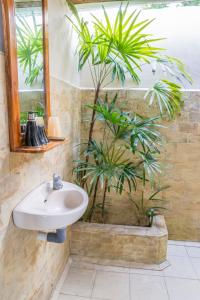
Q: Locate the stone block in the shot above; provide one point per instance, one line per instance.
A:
(120, 242)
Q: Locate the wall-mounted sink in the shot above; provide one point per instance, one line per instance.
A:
(48, 209)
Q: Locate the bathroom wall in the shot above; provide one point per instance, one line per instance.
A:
(1, 31)
(182, 147)
(180, 162)
(29, 268)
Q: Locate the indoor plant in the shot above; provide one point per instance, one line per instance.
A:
(127, 152)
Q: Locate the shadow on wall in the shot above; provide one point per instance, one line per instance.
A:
(1, 31)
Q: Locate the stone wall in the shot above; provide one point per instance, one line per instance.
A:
(29, 268)
(181, 165)
(1, 31)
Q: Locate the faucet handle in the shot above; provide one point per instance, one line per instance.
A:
(57, 182)
(55, 176)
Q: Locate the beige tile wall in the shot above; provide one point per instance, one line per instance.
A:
(29, 268)
(181, 165)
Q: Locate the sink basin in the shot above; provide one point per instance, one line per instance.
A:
(48, 209)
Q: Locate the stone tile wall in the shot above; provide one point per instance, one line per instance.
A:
(29, 268)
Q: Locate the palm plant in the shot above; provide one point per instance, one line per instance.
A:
(148, 208)
(29, 48)
(130, 143)
(120, 49)
(126, 155)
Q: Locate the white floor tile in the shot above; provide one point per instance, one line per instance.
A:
(180, 267)
(111, 286)
(97, 282)
(64, 275)
(192, 244)
(144, 287)
(193, 251)
(79, 282)
(89, 266)
(183, 289)
(176, 250)
(196, 265)
(70, 297)
(112, 269)
(55, 295)
(178, 243)
(146, 272)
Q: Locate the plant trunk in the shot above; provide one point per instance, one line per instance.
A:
(104, 198)
(93, 117)
(91, 127)
(94, 200)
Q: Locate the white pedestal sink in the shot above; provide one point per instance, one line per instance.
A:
(45, 209)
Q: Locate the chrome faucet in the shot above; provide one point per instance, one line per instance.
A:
(57, 182)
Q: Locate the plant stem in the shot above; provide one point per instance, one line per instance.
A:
(104, 197)
(93, 117)
(91, 127)
(94, 200)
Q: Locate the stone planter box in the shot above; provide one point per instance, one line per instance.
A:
(120, 244)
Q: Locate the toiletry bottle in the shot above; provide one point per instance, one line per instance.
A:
(41, 130)
(31, 135)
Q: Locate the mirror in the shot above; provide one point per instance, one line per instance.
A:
(27, 68)
(29, 37)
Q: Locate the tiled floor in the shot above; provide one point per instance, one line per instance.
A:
(179, 281)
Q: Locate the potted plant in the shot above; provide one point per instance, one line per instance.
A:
(125, 153)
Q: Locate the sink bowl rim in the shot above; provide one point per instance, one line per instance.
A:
(35, 211)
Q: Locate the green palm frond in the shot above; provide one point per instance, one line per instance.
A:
(150, 167)
(138, 131)
(167, 96)
(153, 197)
(123, 45)
(128, 149)
(129, 46)
(29, 48)
(145, 133)
(116, 119)
(174, 67)
(108, 163)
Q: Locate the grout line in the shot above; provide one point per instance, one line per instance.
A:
(176, 243)
(130, 295)
(163, 276)
(64, 294)
(56, 289)
(93, 284)
(63, 275)
(192, 244)
(99, 267)
(146, 274)
(192, 264)
(184, 278)
(187, 246)
(165, 284)
(54, 296)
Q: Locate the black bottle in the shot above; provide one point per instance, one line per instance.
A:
(31, 135)
(42, 135)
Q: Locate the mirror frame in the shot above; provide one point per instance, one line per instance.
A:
(10, 45)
